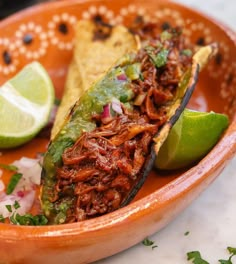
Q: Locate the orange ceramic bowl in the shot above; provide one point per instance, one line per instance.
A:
(163, 196)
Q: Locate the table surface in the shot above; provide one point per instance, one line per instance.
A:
(211, 219)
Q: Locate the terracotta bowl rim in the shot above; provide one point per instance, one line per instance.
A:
(223, 151)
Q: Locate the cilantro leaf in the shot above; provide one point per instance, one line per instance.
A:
(16, 205)
(196, 257)
(9, 209)
(13, 182)
(2, 219)
(147, 242)
(8, 167)
(28, 219)
(222, 261)
(159, 59)
(56, 149)
(232, 251)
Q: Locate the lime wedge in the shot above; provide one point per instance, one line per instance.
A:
(25, 104)
(190, 139)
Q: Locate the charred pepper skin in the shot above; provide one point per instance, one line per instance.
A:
(69, 196)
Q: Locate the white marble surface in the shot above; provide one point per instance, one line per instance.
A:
(211, 219)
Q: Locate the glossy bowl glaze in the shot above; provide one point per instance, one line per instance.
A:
(45, 33)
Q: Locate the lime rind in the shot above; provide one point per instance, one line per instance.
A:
(25, 105)
(168, 153)
(190, 139)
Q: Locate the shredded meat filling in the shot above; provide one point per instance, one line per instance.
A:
(100, 165)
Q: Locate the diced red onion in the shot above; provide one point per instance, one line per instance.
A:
(31, 171)
(121, 77)
(6, 200)
(25, 203)
(116, 106)
(20, 194)
(24, 192)
(106, 116)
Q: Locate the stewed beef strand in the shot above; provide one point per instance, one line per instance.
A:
(102, 166)
(104, 163)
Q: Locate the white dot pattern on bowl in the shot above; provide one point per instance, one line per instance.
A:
(216, 70)
(103, 11)
(58, 28)
(37, 40)
(9, 56)
(32, 41)
(167, 14)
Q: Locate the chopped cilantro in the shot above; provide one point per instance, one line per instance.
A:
(123, 98)
(222, 261)
(147, 242)
(57, 149)
(196, 257)
(16, 205)
(13, 182)
(8, 167)
(8, 206)
(159, 59)
(2, 219)
(232, 251)
(28, 219)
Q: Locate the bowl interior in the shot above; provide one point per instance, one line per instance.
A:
(50, 28)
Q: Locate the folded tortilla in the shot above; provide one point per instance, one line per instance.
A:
(97, 47)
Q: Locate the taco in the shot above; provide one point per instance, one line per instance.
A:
(108, 143)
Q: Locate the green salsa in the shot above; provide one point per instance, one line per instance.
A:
(90, 103)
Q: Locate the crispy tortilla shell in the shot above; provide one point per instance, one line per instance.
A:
(93, 55)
